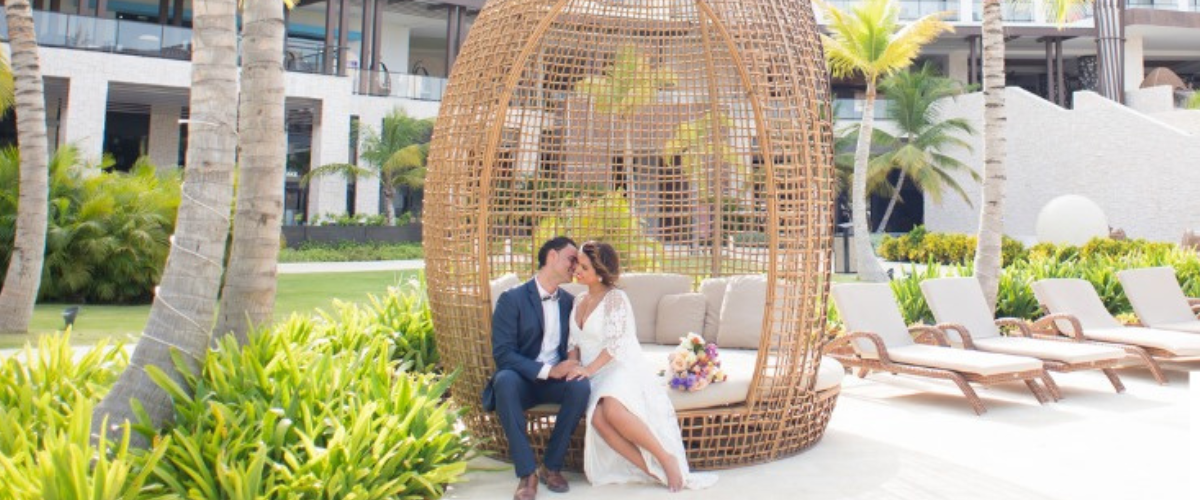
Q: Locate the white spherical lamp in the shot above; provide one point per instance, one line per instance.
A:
(1071, 220)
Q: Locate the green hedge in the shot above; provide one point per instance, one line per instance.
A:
(345, 404)
(942, 248)
(348, 251)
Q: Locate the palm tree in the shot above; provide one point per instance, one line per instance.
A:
(396, 155)
(918, 151)
(181, 317)
(991, 217)
(24, 275)
(628, 84)
(870, 41)
(248, 295)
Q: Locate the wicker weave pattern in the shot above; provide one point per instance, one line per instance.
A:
(693, 135)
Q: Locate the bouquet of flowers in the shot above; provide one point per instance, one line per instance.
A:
(695, 364)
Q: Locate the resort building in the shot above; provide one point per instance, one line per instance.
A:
(117, 73)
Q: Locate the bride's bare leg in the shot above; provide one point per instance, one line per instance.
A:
(636, 431)
(615, 440)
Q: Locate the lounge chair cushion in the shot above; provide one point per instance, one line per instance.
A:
(960, 360)
(869, 307)
(1177, 343)
(645, 290)
(1186, 326)
(961, 301)
(1156, 296)
(1067, 352)
(678, 315)
(739, 366)
(742, 312)
(714, 296)
(501, 285)
(1075, 297)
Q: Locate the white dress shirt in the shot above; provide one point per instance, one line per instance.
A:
(552, 333)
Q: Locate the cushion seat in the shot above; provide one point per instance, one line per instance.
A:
(1066, 352)
(1177, 343)
(1186, 326)
(980, 363)
(739, 366)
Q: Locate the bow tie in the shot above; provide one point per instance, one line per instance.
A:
(551, 298)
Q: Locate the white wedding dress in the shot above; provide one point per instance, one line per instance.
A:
(630, 380)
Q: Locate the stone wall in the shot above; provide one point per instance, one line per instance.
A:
(1142, 171)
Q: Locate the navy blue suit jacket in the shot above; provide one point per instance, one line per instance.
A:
(517, 331)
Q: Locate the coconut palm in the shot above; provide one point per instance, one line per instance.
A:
(630, 83)
(869, 41)
(24, 274)
(396, 155)
(181, 317)
(248, 295)
(991, 217)
(919, 148)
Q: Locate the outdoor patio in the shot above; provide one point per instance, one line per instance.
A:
(902, 438)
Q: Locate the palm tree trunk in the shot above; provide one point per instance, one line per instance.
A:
(24, 276)
(991, 217)
(181, 317)
(389, 205)
(248, 296)
(887, 214)
(868, 266)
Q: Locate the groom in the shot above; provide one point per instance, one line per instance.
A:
(529, 344)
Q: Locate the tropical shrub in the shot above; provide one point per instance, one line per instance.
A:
(606, 218)
(313, 409)
(46, 400)
(943, 248)
(1016, 299)
(107, 240)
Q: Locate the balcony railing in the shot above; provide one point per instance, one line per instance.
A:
(1185, 6)
(1019, 12)
(383, 83)
(119, 36)
(845, 108)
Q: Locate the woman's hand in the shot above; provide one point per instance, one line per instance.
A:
(579, 373)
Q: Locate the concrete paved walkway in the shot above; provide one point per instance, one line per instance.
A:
(904, 438)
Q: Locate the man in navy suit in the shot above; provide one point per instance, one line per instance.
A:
(529, 344)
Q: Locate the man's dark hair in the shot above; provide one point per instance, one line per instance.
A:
(556, 243)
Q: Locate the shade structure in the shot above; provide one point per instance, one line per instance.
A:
(693, 135)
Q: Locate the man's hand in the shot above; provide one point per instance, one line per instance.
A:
(563, 369)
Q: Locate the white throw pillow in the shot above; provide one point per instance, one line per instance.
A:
(503, 284)
(742, 312)
(678, 315)
(645, 290)
(714, 296)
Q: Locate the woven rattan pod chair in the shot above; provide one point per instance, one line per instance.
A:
(693, 135)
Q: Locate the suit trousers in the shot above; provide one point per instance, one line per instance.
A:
(515, 394)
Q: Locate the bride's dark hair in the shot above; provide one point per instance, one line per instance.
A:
(604, 261)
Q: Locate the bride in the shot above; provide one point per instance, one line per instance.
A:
(632, 433)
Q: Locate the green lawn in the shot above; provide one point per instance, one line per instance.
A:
(297, 293)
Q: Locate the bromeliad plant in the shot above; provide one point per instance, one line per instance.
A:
(318, 408)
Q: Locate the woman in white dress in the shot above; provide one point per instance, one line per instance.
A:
(632, 432)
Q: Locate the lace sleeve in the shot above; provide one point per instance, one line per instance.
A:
(572, 339)
(619, 327)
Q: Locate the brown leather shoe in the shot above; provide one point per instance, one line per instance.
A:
(553, 480)
(527, 488)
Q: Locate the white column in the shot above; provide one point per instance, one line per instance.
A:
(966, 11)
(83, 120)
(1039, 10)
(330, 141)
(370, 116)
(1135, 70)
(164, 135)
(957, 67)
